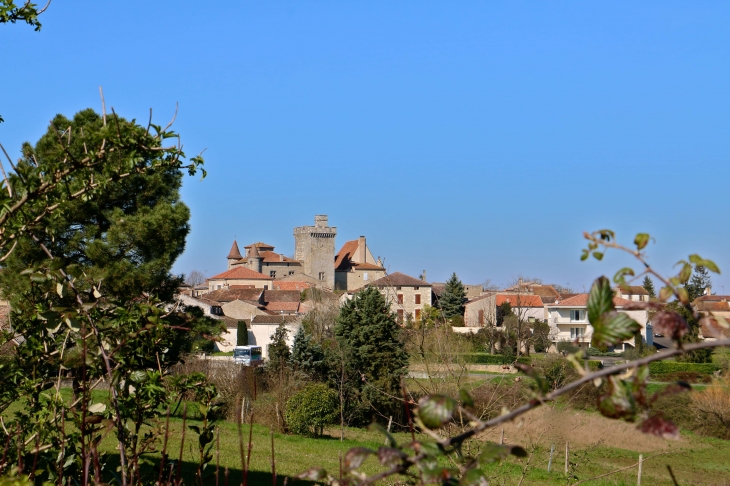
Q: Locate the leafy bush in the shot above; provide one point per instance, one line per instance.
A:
(597, 352)
(721, 358)
(567, 348)
(661, 367)
(308, 411)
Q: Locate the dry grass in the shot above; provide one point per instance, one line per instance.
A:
(580, 429)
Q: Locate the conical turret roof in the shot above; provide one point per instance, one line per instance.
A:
(235, 253)
(254, 252)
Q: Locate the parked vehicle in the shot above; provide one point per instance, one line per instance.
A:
(247, 355)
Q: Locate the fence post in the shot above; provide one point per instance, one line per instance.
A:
(550, 460)
(566, 457)
(638, 479)
(501, 438)
(390, 421)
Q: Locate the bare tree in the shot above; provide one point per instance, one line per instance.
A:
(196, 277)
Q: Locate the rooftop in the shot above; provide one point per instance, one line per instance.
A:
(240, 272)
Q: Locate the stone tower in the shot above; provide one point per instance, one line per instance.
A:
(234, 255)
(314, 246)
(254, 259)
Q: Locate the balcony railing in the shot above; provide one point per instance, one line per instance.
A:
(568, 320)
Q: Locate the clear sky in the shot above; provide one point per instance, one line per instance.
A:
(473, 137)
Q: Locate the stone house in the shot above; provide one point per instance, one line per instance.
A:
(635, 293)
(527, 307)
(242, 277)
(569, 321)
(355, 266)
(481, 311)
(406, 295)
(261, 257)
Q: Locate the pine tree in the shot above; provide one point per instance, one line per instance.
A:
(279, 352)
(453, 298)
(699, 283)
(306, 355)
(649, 286)
(242, 334)
(375, 359)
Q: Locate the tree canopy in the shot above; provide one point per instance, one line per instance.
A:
(698, 283)
(649, 286)
(453, 298)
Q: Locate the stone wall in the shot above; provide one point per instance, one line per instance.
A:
(488, 308)
(407, 306)
(314, 246)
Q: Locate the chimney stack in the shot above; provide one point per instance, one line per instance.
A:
(361, 250)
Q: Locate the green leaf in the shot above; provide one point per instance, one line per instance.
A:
(609, 327)
(436, 410)
(194, 428)
(61, 290)
(598, 255)
(138, 376)
(641, 240)
(97, 408)
(665, 293)
(619, 276)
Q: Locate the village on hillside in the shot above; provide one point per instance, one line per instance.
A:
(265, 289)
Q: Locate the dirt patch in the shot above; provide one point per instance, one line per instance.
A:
(580, 429)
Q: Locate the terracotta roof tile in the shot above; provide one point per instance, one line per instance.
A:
(519, 300)
(581, 300)
(283, 306)
(344, 256)
(229, 295)
(282, 296)
(235, 253)
(272, 319)
(711, 329)
(367, 266)
(272, 257)
(398, 279)
(713, 306)
(242, 273)
(288, 285)
(635, 290)
(260, 246)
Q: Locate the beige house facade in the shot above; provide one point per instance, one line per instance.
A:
(406, 295)
(355, 266)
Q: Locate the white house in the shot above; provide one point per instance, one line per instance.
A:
(568, 320)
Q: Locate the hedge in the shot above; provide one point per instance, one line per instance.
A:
(494, 359)
(660, 367)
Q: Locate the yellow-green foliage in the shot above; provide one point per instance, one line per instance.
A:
(311, 409)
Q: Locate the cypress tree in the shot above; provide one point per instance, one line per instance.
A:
(649, 286)
(374, 354)
(453, 298)
(242, 334)
(279, 352)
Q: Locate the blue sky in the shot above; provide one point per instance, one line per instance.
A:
(480, 138)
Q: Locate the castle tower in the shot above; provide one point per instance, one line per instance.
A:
(233, 255)
(314, 246)
(254, 259)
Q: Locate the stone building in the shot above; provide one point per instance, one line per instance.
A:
(406, 295)
(261, 257)
(314, 246)
(242, 277)
(355, 266)
(481, 311)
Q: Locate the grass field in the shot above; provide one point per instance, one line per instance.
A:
(597, 446)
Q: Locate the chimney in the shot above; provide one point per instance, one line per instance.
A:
(362, 252)
(320, 221)
(423, 276)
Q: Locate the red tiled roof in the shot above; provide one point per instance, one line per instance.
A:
(241, 273)
(342, 260)
(260, 246)
(283, 306)
(581, 300)
(710, 328)
(713, 297)
(235, 253)
(712, 306)
(272, 319)
(634, 290)
(290, 285)
(241, 286)
(271, 257)
(366, 266)
(230, 294)
(481, 297)
(282, 296)
(398, 279)
(547, 291)
(519, 300)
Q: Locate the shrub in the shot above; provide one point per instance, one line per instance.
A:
(712, 409)
(494, 359)
(242, 334)
(566, 347)
(721, 358)
(661, 367)
(597, 352)
(308, 411)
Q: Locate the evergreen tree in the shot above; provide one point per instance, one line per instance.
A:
(306, 355)
(453, 298)
(649, 286)
(693, 336)
(699, 282)
(374, 355)
(279, 352)
(242, 334)
(123, 243)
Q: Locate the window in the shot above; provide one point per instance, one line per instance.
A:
(577, 315)
(400, 315)
(219, 287)
(397, 288)
(400, 298)
(415, 288)
(481, 317)
(291, 272)
(418, 314)
(577, 332)
(321, 276)
(266, 287)
(365, 276)
(272, 274)
(418, 298)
